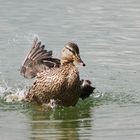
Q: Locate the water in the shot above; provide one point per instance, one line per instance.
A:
(108, 35)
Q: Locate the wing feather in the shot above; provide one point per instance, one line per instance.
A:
(37, 60)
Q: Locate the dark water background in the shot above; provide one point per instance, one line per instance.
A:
(108, 33)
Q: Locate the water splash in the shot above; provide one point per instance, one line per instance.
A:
(11, 94)
(17, 96)
(18, 37)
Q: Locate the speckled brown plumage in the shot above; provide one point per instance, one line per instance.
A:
(55, 79)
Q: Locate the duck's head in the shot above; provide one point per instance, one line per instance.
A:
(70, 54)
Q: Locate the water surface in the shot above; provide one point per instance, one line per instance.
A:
(108, 35)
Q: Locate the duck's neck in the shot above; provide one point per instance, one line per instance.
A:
(65, 62)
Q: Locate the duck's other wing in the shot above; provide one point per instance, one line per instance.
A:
(37, 60)
(86, 89)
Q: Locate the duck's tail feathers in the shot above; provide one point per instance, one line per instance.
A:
(37, 60)
(86, 88)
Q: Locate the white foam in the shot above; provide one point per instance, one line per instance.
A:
(17, 96)
(2, 90)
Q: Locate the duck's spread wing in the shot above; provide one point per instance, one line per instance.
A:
(37, 60)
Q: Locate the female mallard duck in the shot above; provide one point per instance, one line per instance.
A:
(56, 80)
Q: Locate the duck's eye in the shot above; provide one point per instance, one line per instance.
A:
(70, 50)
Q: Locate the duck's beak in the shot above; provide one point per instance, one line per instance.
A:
(79, 60)
(83, 64)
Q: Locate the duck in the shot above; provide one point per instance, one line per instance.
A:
(57, 81)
